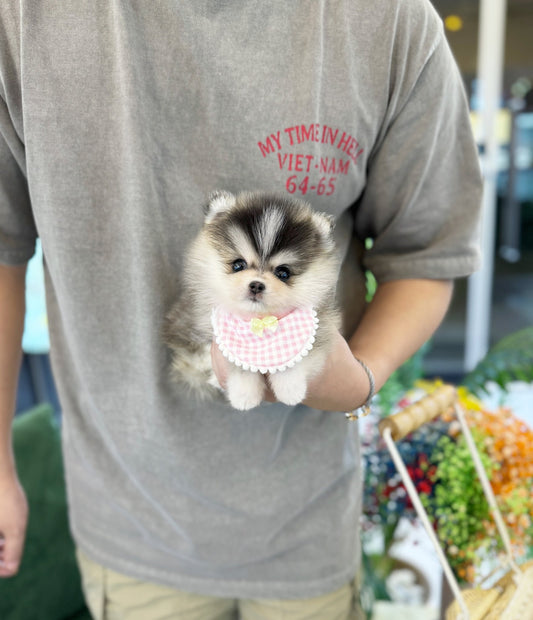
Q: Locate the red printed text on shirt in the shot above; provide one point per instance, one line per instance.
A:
(308, 172)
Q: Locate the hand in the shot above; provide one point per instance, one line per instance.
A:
(342, 385)
(13, 521)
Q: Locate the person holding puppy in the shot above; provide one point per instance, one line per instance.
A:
(117, 120)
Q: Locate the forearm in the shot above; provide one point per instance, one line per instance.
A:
(401, 317)
(12, 282)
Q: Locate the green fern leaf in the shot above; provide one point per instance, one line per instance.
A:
(511, 359)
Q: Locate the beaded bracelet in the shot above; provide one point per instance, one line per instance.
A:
(364, 410)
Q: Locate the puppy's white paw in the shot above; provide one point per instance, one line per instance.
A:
(289, 387)
(245, 390)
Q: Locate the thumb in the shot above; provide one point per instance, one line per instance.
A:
(220, 365)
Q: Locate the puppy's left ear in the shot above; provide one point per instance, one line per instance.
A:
(324, 222)
(219, 202)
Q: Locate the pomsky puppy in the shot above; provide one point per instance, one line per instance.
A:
(260, 280)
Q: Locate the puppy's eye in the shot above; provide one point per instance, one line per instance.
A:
(238, 265)
(282, 272)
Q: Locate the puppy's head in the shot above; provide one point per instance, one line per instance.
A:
(262, 254)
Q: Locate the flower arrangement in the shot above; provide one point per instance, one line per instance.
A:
(443, 472)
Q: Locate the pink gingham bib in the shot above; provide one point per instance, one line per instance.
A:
(265, 345)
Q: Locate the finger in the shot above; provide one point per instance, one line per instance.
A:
(269, 396)
(11, 553)
(220, 365)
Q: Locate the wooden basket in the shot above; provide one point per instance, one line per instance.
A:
(511, 598)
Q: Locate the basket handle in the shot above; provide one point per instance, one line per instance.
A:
(414, 416)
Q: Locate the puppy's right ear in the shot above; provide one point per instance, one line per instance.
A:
(219, 202)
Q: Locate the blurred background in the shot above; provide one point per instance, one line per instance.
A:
(509, 270)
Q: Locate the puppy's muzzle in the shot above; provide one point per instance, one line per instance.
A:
(256, 289)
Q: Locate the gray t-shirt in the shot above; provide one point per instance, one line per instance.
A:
(117, 119)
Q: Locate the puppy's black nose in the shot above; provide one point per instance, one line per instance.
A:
(256, 287)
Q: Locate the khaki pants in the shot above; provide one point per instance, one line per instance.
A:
(112, 596)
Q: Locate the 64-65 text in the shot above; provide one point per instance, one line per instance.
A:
(324, 187)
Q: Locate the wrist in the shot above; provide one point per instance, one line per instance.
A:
(8, 469)
(371, 381)
(363, 409)
(342, 385)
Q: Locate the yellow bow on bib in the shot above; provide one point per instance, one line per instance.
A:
(258, 326)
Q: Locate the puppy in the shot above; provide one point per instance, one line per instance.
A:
(260, 280)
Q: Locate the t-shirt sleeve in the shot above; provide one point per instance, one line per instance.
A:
(17, 227)
(421, 205)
